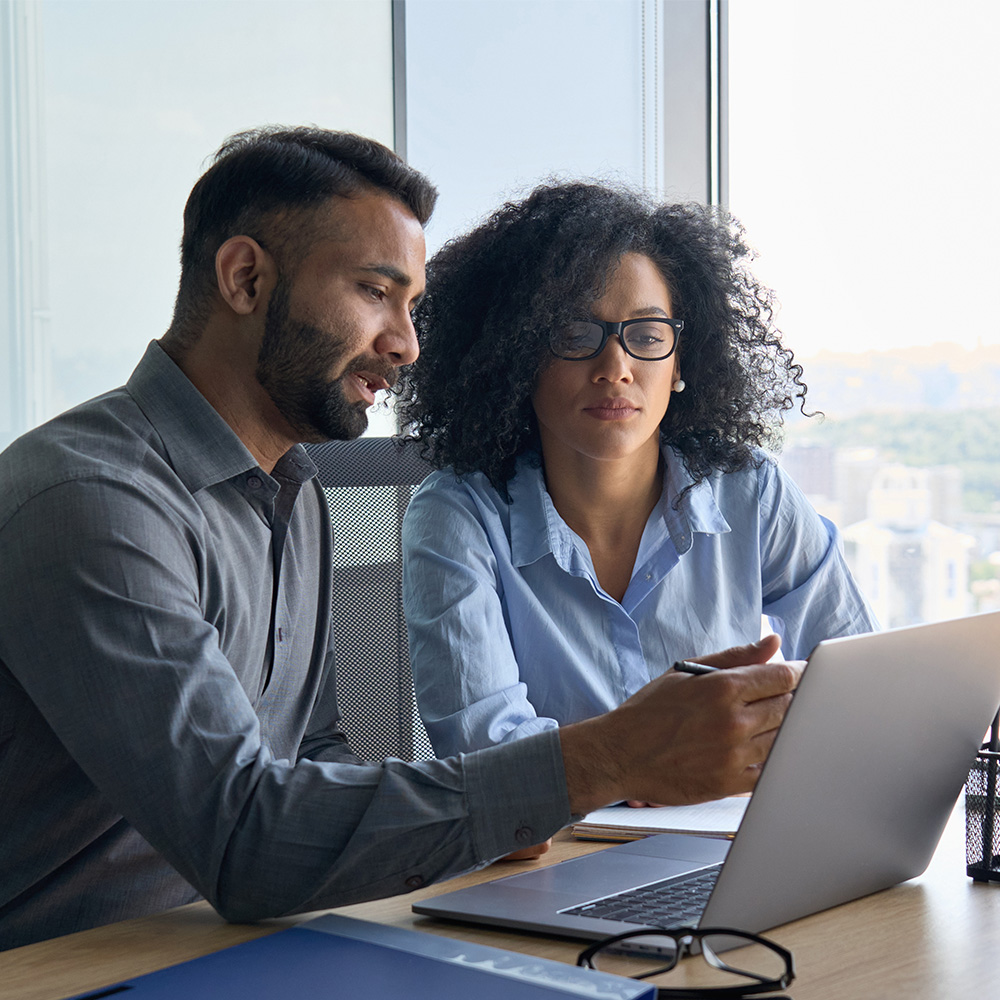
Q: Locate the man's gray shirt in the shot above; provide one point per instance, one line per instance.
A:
(168, 716)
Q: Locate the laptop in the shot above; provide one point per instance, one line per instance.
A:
(854, 796)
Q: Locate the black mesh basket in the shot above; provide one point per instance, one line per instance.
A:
(982, 812)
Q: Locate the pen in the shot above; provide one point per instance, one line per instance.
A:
(689, 667)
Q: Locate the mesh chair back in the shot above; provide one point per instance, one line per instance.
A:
(368, 483)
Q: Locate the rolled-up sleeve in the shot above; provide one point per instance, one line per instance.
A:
(807, 589)
(468, 683)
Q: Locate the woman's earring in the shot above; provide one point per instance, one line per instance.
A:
(680, 385)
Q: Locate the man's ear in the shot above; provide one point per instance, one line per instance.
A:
(245, 273)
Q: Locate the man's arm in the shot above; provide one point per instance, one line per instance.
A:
(103, 631)
(682, 739)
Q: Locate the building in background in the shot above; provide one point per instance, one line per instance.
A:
(912, 567)
(907, 538)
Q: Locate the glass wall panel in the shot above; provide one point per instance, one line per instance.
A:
(129, 100)
(503, 95)
(862, 141)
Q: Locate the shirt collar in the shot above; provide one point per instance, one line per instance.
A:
(533, 519)
(203, 448)
(697, 511)
(536, 529)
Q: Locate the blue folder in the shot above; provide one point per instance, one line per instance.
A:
(334, 957)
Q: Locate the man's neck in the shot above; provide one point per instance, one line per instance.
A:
(221, 373)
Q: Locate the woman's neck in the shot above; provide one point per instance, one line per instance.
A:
(607, 502)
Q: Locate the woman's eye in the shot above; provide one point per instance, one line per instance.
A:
(647, 334)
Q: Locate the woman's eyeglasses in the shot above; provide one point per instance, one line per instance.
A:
(753, 964)
(649, 339)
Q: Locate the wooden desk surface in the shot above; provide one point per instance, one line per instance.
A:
(935, 937)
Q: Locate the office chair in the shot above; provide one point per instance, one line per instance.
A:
(368, 483)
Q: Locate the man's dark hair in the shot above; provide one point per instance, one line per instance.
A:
(494, 294)
(264, 183)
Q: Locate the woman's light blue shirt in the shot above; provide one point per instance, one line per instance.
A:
(511, 632)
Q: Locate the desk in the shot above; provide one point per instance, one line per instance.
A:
(933, 938)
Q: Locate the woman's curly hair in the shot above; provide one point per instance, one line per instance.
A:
(494, 294)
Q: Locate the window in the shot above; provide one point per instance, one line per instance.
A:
(861, 136)
(110, 111)
(502, 96)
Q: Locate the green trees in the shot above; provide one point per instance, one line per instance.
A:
(968, 439)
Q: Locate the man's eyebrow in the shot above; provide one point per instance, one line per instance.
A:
(390, 272)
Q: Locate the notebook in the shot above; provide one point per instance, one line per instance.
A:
(340, 958)
(853, 798)
(719, 818)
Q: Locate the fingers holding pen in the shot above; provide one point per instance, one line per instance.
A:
(765, 679)
(738, 656)
(729, 719)
(748, 703)
(684, 738)
(749, 711)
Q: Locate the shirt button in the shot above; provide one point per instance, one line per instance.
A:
(255, 482)
(414, 882)
(525, 835)
(649, 576)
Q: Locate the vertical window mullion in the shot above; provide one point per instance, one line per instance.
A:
(694, 121)
(23, 282)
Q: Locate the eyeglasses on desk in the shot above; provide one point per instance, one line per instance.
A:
(755, 967)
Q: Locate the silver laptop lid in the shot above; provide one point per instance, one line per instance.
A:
(861, 781)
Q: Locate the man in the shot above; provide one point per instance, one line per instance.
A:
(168, 717)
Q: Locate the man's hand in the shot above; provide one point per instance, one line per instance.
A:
(683, 738)
(529, 853)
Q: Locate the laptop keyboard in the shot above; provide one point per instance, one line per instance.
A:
(672, 902)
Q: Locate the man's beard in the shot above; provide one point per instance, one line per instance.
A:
(292, 366)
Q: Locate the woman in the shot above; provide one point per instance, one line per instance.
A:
(598, 375)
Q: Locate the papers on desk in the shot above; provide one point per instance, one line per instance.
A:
(335, 956)
(708, 819)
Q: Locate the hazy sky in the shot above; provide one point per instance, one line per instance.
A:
(863, 142)
(137, 97)
(864, 147)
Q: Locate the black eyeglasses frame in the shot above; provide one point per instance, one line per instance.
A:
(684, 938)
(617, 329)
